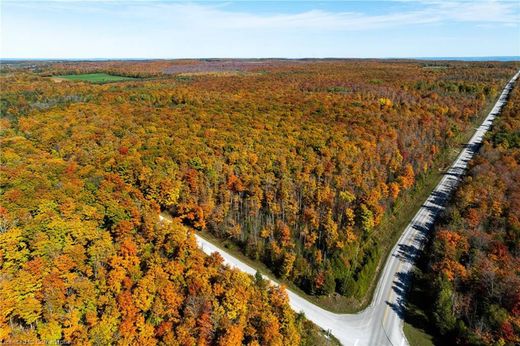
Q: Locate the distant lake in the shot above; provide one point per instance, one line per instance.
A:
(473, 58)
(454, 58)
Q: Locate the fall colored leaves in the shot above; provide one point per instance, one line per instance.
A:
(297, 165)
(474, 259)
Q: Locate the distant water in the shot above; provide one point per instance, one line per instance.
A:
(472, 58)
(455, 58)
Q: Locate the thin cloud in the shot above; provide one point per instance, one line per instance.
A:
(217, 17)
(180, 29)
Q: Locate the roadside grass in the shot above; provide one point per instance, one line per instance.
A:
(97, 78)
(417, 327)
(313, 335)
(416, 336)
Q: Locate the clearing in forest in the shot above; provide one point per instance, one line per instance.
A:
(94, 77)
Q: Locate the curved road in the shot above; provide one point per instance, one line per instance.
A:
(382, 322)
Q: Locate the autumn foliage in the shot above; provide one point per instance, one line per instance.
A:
(296, 162)
(474, 260)
(84, 259)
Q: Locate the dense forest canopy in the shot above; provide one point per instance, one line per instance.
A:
(473, 263)
(83, 257)
(296, 162)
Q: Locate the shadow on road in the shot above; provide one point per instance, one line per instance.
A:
(400, 287)
(406, 253)
(412, 253)
(472, 147)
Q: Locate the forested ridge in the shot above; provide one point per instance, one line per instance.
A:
(470, 274)
(296, 163)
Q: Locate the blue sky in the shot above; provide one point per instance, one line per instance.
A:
(250, 29)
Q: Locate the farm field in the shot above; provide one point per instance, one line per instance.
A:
(94, 77)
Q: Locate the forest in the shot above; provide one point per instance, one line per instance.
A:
(470, 271)
(83, 257)
(297, 163)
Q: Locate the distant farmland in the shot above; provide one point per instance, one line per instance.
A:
(94, 77)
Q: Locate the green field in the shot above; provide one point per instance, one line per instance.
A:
(94, 77)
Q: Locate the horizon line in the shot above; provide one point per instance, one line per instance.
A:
(515, 57)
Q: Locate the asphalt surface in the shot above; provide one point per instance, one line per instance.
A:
(381, 323)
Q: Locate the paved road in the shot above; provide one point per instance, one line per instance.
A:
(382, 322)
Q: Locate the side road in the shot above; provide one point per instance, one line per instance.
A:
(381, 323)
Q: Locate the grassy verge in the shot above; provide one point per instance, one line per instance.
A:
(388, 231)
(313, 335)
(417, 327)
(416, 336)
(94, 78)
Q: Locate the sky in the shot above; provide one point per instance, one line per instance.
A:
(258, 29)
